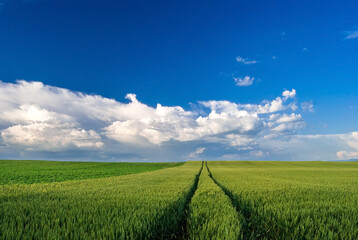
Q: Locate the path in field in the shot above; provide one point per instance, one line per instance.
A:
(250, 220)
(211, 213)
(242, 209)
(184, 221)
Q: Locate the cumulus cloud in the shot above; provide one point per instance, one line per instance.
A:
(352, 35)
(38, 118)
(244, 82)
(285, 123)
(278, 104)
(50, 137)
(273, 106)
(163, 124)
(289, 94)
(245, 60)
(30, 113)
(39, 129)
(34, 106)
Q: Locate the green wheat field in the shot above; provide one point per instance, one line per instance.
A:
(192, 200)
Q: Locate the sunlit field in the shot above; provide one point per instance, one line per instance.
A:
(292, 200)
(194, 200)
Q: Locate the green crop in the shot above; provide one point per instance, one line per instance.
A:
(223, 200)
(16, 171)
(147, 205)
(212, 215)
(293, 200)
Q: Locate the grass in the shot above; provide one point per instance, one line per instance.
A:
(293, 200)
(19, 171)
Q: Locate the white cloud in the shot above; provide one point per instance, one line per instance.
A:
(352, 35)
(39, 129)
(307, 106)
(244, 82)
(197, 152)
(244, 142)
(288, 126)
(245, 60)
(344, 155)
(50, 137)
(274, 117)
(173, 123)
(289, 94)
(351, 139)
(132, 97)
(285, 123)
(27, 113)
(32, 103)
(285, 118)
(38, 118)
(273, 106)
(278, 104)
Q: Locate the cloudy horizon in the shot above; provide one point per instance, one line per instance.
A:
(48, 122)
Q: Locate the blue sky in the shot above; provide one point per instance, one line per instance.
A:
(221, 63)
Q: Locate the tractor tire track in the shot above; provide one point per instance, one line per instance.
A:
(184, 233)
(178, 227)
(242, 208)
